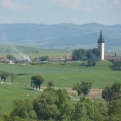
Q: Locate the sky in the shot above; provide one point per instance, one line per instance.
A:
(107, 12)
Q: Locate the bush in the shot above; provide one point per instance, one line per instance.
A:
(91, 62)
(82, 64)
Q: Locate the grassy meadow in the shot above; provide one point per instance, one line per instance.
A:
(66, 75)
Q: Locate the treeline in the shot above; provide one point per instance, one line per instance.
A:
(78, 54)
(57, 105)
(116, 64)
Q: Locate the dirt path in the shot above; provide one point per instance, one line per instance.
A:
(93, 92)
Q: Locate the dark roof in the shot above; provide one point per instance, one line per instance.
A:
(95, 48)
(101, 39)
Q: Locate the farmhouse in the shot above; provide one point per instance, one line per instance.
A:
(5, 60)
(22, 61)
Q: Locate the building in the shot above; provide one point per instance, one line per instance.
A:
(5, 60)
(101, 46)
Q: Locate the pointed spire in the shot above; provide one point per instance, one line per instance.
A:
(101, 40)
(101, 35)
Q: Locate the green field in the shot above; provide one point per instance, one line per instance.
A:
(64, 76)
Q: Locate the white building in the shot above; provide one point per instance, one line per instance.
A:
(101, 45)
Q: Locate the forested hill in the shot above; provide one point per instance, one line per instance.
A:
(59, 35)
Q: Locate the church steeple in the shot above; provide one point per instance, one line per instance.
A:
(101, 40)
(101, 44)
(100, 34)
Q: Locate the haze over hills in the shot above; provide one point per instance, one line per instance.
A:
(60, 35)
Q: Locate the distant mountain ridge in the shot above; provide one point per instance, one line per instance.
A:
(64, 35)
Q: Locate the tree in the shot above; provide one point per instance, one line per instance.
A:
(85, 110)
(93, 62)
(107, 93)
(44, 58)
(23, 109)
(115, 107)
(89, 63)
(51, 83)
(1, 113)
(4, 75)
(116, 64)
(111, 93)
(10, 57)
(86, 86)
(13, 76)
(97, 53)
(77, 54)
(53, 104)
(100, 105)
(65, 61)
(78, 88)
(45, 106)
(82, 88)
(37, 80)
(89, 54)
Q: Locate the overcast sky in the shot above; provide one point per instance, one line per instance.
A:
(106, 12)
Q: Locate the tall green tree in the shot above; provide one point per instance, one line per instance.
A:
(116, 64)
(37, 80)
(115, 107)
(83, 88)
(4, 75)
(44, 58)
(89, 54)
(51, 83)
(93, 62)
(89, 62)
(1, 118)
(86, 86)
(78, 88)
(111, 93)
(10, 57)
(45, 107)
(77, 54)
(13, 77)
(23, 109)
(101, 106)
(85, 110)
(97, 53)
(53, 105)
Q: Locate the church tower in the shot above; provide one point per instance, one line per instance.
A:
(101, 45)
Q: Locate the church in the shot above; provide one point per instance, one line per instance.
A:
(101, 48)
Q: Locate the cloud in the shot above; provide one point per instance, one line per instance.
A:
(3, 20)
(12, 5)
(117, 1)
(87, 8)
(71, 4)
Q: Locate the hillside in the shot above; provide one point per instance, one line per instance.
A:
(59, 35)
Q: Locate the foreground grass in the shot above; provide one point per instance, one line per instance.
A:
(63, 75)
